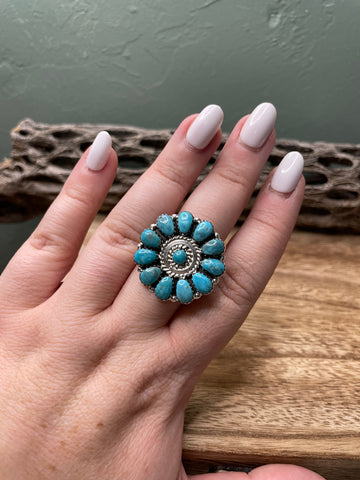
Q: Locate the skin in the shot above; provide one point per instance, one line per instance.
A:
(96, 372)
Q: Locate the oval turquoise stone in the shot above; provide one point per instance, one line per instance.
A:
(166, 224)
(163, 288)
(202, 283)
(202, 231)
(185, 220)
(150, 275)
(183, 291)
(213, 247)
(213, 266)
(180, 256)
(143, 256)
(150, 238)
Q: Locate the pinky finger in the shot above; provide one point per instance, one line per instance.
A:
(256, 249)
(251, 258)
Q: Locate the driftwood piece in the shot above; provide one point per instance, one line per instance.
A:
(43, 156)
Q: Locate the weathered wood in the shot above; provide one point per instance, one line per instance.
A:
(286, 388)
(43, 156)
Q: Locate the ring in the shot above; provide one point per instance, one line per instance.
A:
(180, 258)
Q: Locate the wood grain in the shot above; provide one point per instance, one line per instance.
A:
(286, 389)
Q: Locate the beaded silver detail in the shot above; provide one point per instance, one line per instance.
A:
(193, 253)
(182, 280)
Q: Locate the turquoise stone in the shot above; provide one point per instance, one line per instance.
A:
(202, 231)
(179, 256)
(163, 288)
(166, 224)
(213, 266)
(143, 256)
(202, 283)
(150, 238)
(150, 275)
(185, 221)
(183, 291)
(213, 247)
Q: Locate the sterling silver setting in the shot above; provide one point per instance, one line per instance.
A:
(186, 280)
(193, 256)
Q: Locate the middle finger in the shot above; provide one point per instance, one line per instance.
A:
(220, 198)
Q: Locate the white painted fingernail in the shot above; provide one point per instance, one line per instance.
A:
(99, 151)
(204, 127)
(288, 173)
(259, 125)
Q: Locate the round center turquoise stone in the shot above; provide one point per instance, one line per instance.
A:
(180, 257)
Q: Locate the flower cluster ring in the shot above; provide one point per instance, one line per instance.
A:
(180, 258)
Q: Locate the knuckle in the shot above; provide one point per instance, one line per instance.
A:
(232, 175)
(119, 234)
(172, 174)
(269, 221)
(158, 375)
(47, 240)
(24, 335)
(53, 235)
(238, 285)
(76, 195)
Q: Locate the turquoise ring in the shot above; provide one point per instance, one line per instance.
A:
(180, 258)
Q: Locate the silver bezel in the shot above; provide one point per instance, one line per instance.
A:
(191, 266)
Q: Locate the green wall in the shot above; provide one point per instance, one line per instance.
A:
(151, 63)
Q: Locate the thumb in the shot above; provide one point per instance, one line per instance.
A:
(266, 472)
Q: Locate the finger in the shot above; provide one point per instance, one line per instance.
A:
(42, 262)
(220, 198)
(251, 258)
(161, 188)
(265, 472)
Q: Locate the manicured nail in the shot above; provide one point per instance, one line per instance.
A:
(259, 125)
(288, 173)
(204, 127)
(99, 151)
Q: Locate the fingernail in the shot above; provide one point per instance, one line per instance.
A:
(259, 125)
(288, 173)
(99, 151)
(204, 127)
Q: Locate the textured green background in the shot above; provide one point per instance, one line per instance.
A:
(152, 62)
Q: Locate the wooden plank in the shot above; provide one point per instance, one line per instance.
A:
(286, 388)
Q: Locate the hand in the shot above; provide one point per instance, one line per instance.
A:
(96, 372)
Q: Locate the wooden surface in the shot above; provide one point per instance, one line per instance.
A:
(287, 388)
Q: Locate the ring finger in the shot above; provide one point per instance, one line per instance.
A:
(220, 198)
